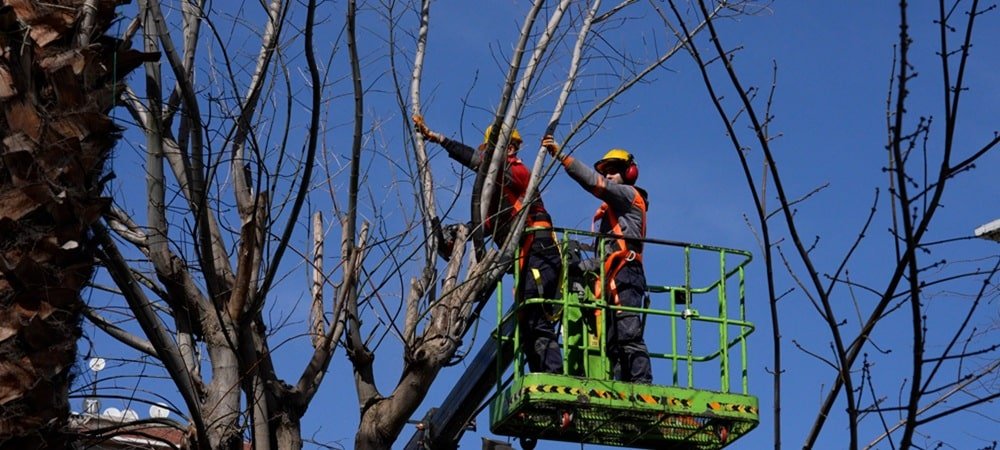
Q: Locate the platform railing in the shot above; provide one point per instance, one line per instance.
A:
(687, 275)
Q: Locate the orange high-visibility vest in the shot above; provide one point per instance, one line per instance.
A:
(623, 254)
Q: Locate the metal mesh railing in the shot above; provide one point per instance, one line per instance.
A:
(695, 317)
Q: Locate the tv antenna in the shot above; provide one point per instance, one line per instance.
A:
(92, 405)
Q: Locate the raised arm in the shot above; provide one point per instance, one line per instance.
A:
(591, 181)
(465, 155)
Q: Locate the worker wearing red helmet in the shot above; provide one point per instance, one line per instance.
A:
(623, 214)
(539, 262)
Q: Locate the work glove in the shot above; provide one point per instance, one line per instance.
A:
(448, 235)
(421, 127)
(552, 147)
(592, 265)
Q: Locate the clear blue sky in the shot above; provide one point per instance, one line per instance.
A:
(834, 62)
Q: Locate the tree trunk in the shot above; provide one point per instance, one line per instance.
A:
(373, 432)
(288, 431)
(56, 88)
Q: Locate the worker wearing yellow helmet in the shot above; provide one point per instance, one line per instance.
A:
(515, 138)
(539, 264)
(622, 218)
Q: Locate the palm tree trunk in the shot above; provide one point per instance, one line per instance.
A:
(58, 76)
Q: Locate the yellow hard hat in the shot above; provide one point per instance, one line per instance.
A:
(622, 158)
(613, 156)
(515, 137)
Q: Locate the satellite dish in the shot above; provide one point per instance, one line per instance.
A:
(130, 415)
(91, 406)
(113, 413)
(96, 364)
(158, 411)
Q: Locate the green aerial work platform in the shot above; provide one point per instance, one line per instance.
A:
(584, 404)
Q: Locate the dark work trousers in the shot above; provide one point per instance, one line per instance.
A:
(626, 346)
(539, 278)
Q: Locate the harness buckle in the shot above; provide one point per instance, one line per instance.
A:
(631, 256)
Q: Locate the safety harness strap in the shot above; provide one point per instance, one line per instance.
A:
(623, 255)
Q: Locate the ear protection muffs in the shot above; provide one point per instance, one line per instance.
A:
(619, 158)
(632, 173)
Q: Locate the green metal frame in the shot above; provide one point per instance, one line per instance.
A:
(583, 404)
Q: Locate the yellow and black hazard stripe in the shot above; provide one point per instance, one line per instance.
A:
(603, 394)
(608, 395)
(677, 402)
(658, 400)
(734, 407)
(549, 389)
(637, 398)
(575, 391)
(646, 398)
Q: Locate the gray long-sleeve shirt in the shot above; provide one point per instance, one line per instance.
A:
(627, 203)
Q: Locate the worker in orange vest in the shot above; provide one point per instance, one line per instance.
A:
(622, 218)
(539, 263)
